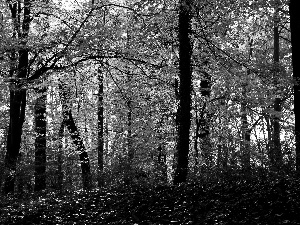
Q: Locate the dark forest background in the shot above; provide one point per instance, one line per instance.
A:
(184, 101)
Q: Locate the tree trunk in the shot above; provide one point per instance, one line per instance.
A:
(60, 174)
(219, 157)
(129, 173)
(269, 132)
(162, 164)
(75, 136)
(184, 108)
(196, 143)
(294, 7)
(245, 143)
(276, 155)
(100, 130)
(129, 137)
(40, 140)
(204, 121)
(225, 158)
(246, 131)
(18, 71)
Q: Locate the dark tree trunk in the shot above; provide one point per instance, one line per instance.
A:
(17, 95)
(294, 7)
(204, 121)
(17, 116)
(205, 85)
(225, 158)
(222, 158)
(129, 137)
(246, 134)
(219, 157)
(83, 156)
(100, 130)
(246, 131)
(245, 143)
(60, 174)
(269, 132)
(175, 131)
(40, 140)
(185, 70)
(276, 155)
(129, 173)
(196, 143)
(161, 164)
(75, 136)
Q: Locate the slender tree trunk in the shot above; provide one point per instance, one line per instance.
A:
(175, 130)
(162, 164)
(185, 70)
(100, 130)
(219, 157)
(60, 174)
(196, 143)
(129, 137)
(18, 71)
(245, 143)
(204, 121)
(75, 136)
(269, 132)
(276, 155)
(40, 140)
(129, 173)
(294, 7)
(225, 158)
(246, 131)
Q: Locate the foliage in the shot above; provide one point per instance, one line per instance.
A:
(134, 45)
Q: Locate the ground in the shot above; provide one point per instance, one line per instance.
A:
(220, 202)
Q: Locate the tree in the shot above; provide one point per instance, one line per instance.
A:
(185, 76)
(18, 72)
(246, 131)
(40, 128)
(100, 129)
(202, 120)
(275, 154)
(75, 135)
(294, 7)
(40, 140)
(60, 174)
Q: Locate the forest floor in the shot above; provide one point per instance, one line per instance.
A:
(226, 202)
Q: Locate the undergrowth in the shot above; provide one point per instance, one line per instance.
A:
(225, 202)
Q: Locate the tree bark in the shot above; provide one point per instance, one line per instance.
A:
(40, 140)
(276, 155)
(100, 130)
(60, 174)
(294, 7)
(75, 136)
(204, 121)
(18, 71)
(245, 143)
(129, 136)
(129, 172)
(185, 70)
(246, 131)
(196, 142)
